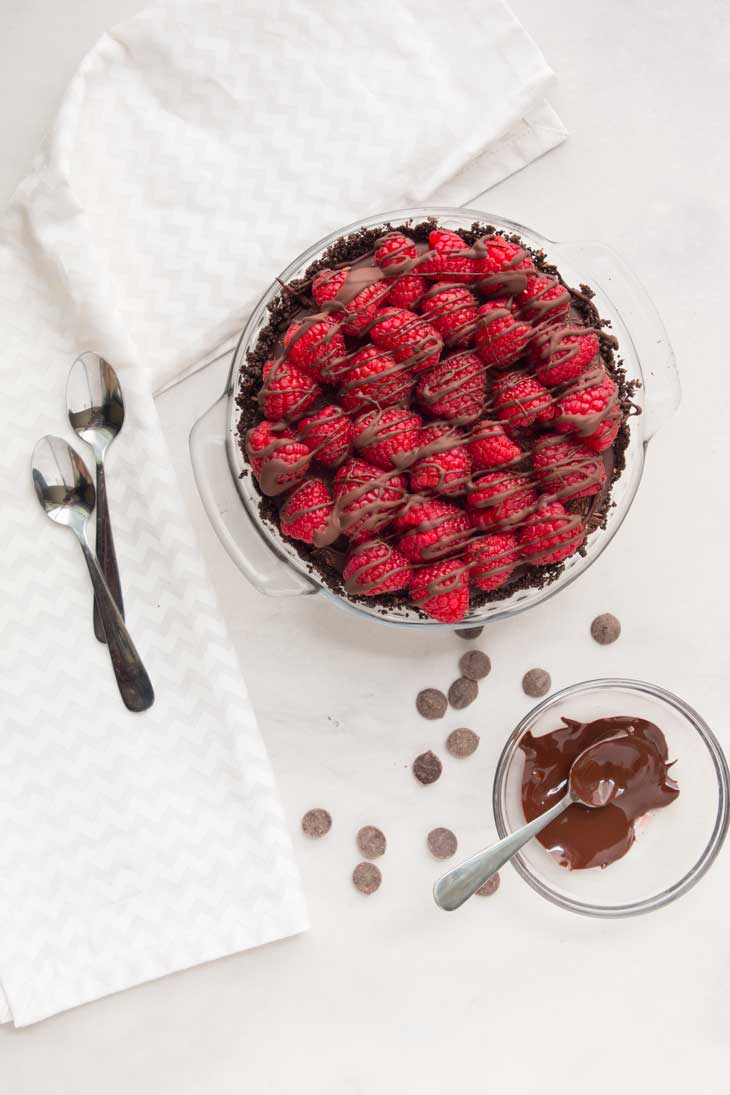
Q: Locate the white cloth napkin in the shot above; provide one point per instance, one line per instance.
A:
(199, 147)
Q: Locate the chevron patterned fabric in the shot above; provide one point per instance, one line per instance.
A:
(197, 150)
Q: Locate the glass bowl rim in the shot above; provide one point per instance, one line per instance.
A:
(717, 836)
(499, 610)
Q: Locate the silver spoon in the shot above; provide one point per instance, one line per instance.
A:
(462, 882)
(66, 493)
(96, 412)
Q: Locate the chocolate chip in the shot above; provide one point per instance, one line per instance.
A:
(606, 629)
(431, 703)
(366, 878)
(427, 767)
(441, 843)
(462, 742)
(489, 887)
(463, 692)
(475, 665)
(467, 633)
(536, 683)
(317, 822)
(371, 841)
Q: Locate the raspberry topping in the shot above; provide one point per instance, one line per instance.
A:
(446, 366)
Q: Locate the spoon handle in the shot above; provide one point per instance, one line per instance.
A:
(105, 552)
(132, 679)
(458, 884)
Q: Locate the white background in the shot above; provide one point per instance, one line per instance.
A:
(387, 994)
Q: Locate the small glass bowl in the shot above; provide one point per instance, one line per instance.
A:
(674, 846)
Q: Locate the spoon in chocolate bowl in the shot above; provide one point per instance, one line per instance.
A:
(598, 777)
(66, 493)
(96, 412)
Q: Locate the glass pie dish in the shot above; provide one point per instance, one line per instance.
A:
(674, 846)
(272, 564)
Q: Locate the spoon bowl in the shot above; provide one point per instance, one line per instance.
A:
(94, 400)
(62, 483)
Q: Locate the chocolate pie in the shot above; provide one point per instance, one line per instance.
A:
(434, 418)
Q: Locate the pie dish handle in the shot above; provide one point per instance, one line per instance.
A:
(227, 513)
(606, 271)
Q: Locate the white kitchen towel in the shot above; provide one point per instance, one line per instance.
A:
(198, 149)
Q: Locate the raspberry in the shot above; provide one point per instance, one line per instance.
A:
(414, 343)
(501, 266)
(395, 254)
(452, 310)
(500, 338)
(441, 590)
(357, 294)
(491, 560)
(374, 378)
(317, 347)
(543, 300)
(490, 447)
(394, 249)
(375, 567)
(501, 499)
(444, 465)
(590, 408)
(406, 290)
(277, 458)
(520, 400)
(435, 529)
(566, 468)
(327, 435)
(454, 389)
(560, 354)
(287, 391)
(388, 438)
(307, 511)
(367, 498)
(389, 324)
(550, 534)
(448, 258)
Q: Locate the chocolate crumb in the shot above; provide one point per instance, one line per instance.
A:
(462, 742)
(441, 843)
(606, 628)
(427, 767)
(371, 841)
(317, 822)
(463, 692)
(489, 887)
(366, 878)
(536, 683)
(467, 633)
(431, 703)
(475, 665)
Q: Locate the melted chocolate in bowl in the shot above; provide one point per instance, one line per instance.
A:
(624, 773)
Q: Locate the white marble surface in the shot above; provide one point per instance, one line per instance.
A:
(388, 994)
